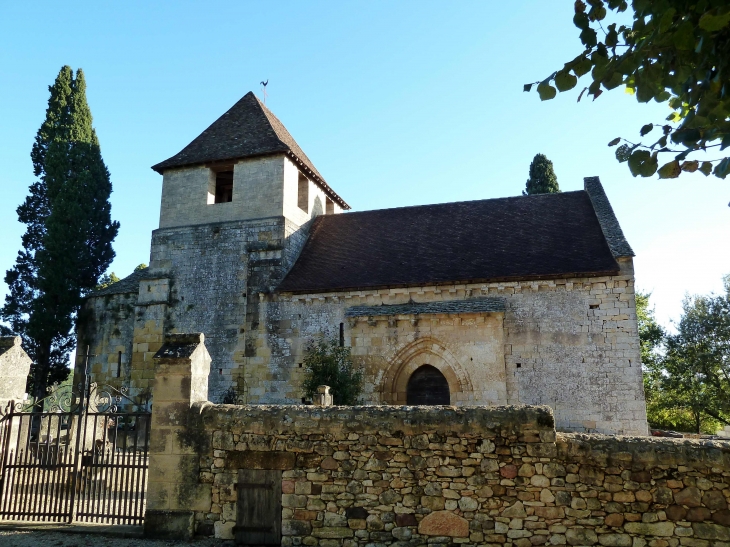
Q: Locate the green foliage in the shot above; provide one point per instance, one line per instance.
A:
(230, 396)
(542, 177)
(687, 386)
(651, 338)
(111, 278)
(328, 363)
(67, 243)
(697, 361)
(675, 52)
(106, 280)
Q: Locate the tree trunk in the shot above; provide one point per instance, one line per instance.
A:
(41, 370)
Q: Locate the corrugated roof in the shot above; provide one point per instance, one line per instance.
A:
(247, 129)
(525, 237)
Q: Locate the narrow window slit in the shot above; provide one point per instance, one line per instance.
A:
(303, 193)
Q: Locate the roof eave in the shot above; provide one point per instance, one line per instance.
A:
(319, 180)
(453, 282)
(160, 168)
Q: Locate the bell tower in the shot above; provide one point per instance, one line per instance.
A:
(245, 166)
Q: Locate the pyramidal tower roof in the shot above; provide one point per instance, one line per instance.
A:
(248, 129)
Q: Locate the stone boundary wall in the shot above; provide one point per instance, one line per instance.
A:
(408, 476)
(402, 475)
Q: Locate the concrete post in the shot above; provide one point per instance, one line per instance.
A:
(14, 369)
(182, 366)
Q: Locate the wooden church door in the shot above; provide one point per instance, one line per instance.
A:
(427, 386)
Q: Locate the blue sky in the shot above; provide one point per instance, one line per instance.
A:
(397, 103)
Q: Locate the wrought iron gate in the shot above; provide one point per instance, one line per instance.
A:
(76, 455)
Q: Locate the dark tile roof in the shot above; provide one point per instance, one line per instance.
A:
(473, 305)
(525, 237)
(129, 284)
(606, 217)
(248, 129)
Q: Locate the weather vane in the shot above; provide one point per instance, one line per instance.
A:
(264, 84)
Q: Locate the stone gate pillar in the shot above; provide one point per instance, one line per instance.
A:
(182, 366)
(14, 369)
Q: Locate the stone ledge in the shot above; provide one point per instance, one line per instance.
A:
(475, 420)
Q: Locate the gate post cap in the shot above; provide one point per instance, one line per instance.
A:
(180, 345)
(10, 341)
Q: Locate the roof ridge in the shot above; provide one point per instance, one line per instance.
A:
(278, 126)
(505, 198)
(607, 218)
(247, 129)
(269, 114)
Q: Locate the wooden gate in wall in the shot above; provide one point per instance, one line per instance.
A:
(78, 455)
(259, 507)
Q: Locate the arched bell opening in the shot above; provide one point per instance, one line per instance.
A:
(427, 386)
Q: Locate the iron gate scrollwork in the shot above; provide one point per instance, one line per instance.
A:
(80, 454)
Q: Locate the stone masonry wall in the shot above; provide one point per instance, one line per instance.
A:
(217, 272)
(257, 193)
(569, 343)
(262, 187)
(107, 328)
(410, 476)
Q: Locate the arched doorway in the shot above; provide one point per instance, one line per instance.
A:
(427, 386)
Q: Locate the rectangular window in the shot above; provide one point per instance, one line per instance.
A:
(223, 187)
(303, 193)
(329, 207)
(119, 365)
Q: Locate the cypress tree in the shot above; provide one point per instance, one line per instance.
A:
(67, 244)
(542, 177)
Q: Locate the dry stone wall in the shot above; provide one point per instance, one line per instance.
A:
(411, 476)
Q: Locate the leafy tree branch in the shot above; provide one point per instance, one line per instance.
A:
(675, 52)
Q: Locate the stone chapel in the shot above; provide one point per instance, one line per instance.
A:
(519, 300)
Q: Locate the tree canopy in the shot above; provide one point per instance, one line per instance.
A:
(69, 232)
(687, 374)
(328, 363)
(542, 178)
(675, 52)
(107, 280)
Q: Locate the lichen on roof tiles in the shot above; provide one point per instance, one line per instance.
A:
(473, 305)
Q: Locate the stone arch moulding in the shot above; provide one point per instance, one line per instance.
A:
(424, 351)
